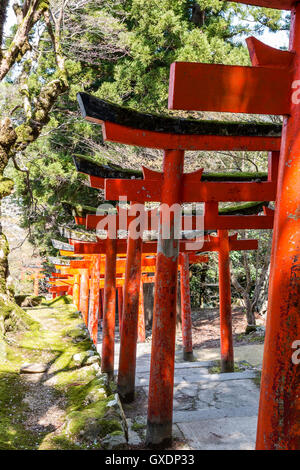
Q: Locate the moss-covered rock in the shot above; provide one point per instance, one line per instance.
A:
(6, 187)
(216, 368)
(29, 300)
(13, 318)
(58, 301)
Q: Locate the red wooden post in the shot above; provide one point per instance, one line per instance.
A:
(84, 295)
(101, 304)
(279, 411)
(120, 307)
(127, 360)
(160, 403)
(141, 317)
(109, 310)
(36, 283)
(186, 314)
(76, 291)
(226, 341)
(91, 302)
(94, 311)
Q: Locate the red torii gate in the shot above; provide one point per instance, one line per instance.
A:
(130, 321)
(151, 217)
(148, 265)
(173, 187)
(221, 244)
(212, 221)
(131, 302)
(266, 88)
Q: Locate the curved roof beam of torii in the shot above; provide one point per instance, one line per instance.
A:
(111, 171)
(277, 4)
(100, 111)
(131, 127)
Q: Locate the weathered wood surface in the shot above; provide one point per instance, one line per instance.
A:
(99, 111)
(213, 219)
(78, 210)
(59, 245)
(84, 165)
(99, 170)
(79, 235)
(205, 142)
(230, 88)
(59, 261)
(192, 191)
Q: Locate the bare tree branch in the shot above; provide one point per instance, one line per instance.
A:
(20, 43)
(3, 15)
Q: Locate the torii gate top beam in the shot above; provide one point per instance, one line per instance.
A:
(230, 88)
(210, 244)
(130, 127)
(265, 88)
(99, 171)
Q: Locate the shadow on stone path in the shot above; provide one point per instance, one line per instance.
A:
(211, 411)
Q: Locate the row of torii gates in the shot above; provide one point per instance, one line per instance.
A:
(268, 87)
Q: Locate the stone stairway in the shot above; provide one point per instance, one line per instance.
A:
(211, 411)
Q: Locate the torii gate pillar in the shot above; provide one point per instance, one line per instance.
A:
(227, 362)
(76, 290)
(109, 310)
(94, 314)
(84, 295)
(160, 405)
(129, 328)
(279, 411)
(120, 307)
(186, 313)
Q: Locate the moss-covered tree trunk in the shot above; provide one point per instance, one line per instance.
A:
(7, 139)
(15, 138)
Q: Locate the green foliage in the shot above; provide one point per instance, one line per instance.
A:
(159, 33)
(203, 284)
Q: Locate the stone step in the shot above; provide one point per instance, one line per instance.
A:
(198, 375)
(213, 413)
(230, 433)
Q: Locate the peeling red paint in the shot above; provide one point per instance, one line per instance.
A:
(129, 331)
(279, 410)
(109, 309)
(186, 314)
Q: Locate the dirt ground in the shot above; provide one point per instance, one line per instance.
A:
(206, 328)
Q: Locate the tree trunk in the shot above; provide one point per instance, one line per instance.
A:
(7, 138)
(198, 15)
(249, 310)
(246, 299)
(261, 305)
(3, 14)
(203, 274)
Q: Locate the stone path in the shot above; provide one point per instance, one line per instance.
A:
(211, 411)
